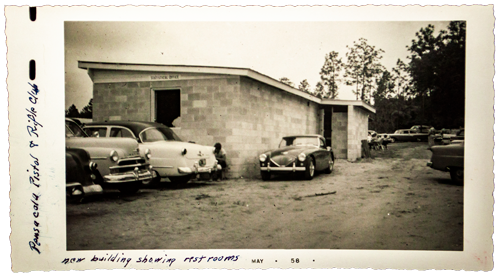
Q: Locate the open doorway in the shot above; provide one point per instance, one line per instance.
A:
(167, 106)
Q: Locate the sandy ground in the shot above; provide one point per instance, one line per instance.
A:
(393, 201)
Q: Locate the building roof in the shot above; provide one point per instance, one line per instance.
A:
(89, 65)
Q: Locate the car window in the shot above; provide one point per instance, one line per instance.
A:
(73, 130)
(322, 143)
(101, 131)
(121, 133)
(158, 134)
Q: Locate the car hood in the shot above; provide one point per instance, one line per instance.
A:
(128, 146)
(290, 151)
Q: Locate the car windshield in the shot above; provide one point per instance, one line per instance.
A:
(299, 141)
(158, 134)
(73, 130)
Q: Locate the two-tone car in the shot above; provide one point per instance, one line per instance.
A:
(172, 158)
(81, 174)
(119, 164)
(303, 154)
(449, 158)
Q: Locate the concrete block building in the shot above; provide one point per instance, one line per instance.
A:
(246, 111)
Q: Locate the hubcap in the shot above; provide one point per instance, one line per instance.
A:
(330, 164)
(311, 168)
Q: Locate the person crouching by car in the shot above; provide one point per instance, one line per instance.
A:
(220, 155)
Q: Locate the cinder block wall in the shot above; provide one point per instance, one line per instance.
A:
(246, 116)
(357, 128)
(339, 134)
(122, 101)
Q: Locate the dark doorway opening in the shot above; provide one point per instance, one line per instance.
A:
(328, 125)
(167, 106)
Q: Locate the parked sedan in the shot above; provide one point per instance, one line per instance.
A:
(171, 157)
(408, 135)
(119, 164)
(449, 158)
(305, 154)
(81, 174)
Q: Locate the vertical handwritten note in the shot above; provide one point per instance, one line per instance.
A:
(33, 170)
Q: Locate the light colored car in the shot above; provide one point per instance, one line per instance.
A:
(304, 154)
(408, 135)
(172, 158)
(119, 164)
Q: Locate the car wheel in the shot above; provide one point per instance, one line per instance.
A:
(457, 176)
(265, 175)
(180, 180)
(310, 168)
(129, 189)
(153, 182)
(330, 165)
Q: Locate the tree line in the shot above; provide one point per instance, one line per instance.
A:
(86, 111)
(429, 90)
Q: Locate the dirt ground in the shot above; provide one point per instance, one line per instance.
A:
(393, 201)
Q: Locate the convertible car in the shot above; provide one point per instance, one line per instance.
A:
(305, 154)
(171, 158)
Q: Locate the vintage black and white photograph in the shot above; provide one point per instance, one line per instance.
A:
(265, 135)
(307, 137)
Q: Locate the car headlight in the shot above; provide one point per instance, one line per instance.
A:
(113, 156)
(147, 153)
(302, 157)
(92, 166)
(262, 157)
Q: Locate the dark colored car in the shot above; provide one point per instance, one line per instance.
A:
(449, 158)
(306, 154)
(81, 174)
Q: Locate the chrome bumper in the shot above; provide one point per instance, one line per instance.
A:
(196, 170)
(130, 176)
(293, 168)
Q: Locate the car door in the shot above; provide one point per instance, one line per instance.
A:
(322, 162)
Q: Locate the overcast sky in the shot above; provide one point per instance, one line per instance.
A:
(295, 50)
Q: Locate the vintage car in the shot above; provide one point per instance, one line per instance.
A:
(172, 158)
(119, 164)
(447, 136)
(449, 158)
(408, 135)
(305, 154)
(424, 129)
(81, 174)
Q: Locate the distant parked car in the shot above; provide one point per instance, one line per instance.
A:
(81, 174)
(449, 158)
(171, 158)
(119, 164)
(404, 135)
(305, 154)
(422, 128)
(447, 136)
